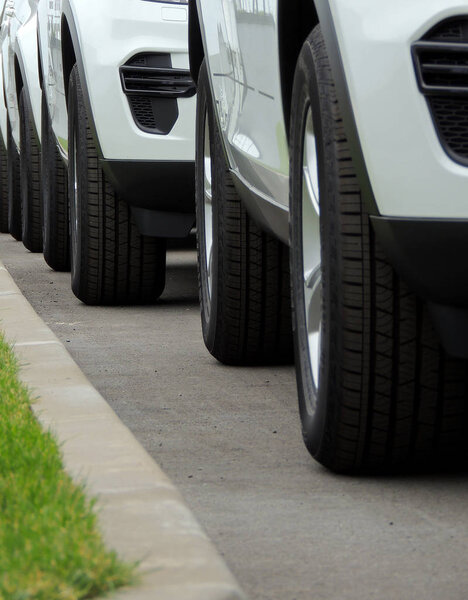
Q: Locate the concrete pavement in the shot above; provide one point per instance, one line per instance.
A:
(141, 513)
(229, 438)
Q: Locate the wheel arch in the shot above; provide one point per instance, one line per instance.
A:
(71, 56)
(296, 19)
(19, 79)
(39, 63)
(4, 94)
(68, 53)
(26, 63)
(196, 50)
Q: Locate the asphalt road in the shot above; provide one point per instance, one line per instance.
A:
(229, 438)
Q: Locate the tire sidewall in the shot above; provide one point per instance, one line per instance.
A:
(25, 161)
(77, 205)
(74, 198)
(54, 197)
(46, 172)
(14, 197)
(3, 189)
(315, 408)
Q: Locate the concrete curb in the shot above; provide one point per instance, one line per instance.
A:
(142, 515)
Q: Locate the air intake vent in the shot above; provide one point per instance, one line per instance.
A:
(452, 30)
(143, 112)
(161, 83)
(442, 67)
(441, 61)
(152, 87)
(149, 75)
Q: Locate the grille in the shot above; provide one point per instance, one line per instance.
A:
(453, 30)
(142, 109)
(441, 62)
(153, 87)
(153, 75)
(139, 61)
(164, 83)
(451, 118)
(442, 67)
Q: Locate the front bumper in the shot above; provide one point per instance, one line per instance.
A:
(420, 215)
(429, 254)
(410, 173)
(117, 31)
(162, 185)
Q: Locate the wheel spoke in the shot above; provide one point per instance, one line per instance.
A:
(208, 205)
(312, 191)
(311, 249)
(313, 306)
(210, 265)
(312, 277)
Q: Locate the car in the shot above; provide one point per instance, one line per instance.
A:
(3, 144)
(118, 125)
(339, 128)
(22, 97)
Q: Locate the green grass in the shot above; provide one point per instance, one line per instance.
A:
(50, 544)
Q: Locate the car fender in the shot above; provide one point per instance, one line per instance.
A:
(26, 53)
(327, 24)
(69, 9)
(3, 110)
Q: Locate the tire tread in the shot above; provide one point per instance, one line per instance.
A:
(30, 179)
(3, 189)
(407, 398)
(117, 264)
(251, 321)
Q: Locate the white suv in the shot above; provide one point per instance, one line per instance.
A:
(341, 127)
(119, 111)
(22, 97)
(3, 142)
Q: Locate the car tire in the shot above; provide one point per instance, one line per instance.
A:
(30, 179)
(243, 271)
(111, 263)
(14, 193)
(382, 395)
(55, 225)
(3, 188)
